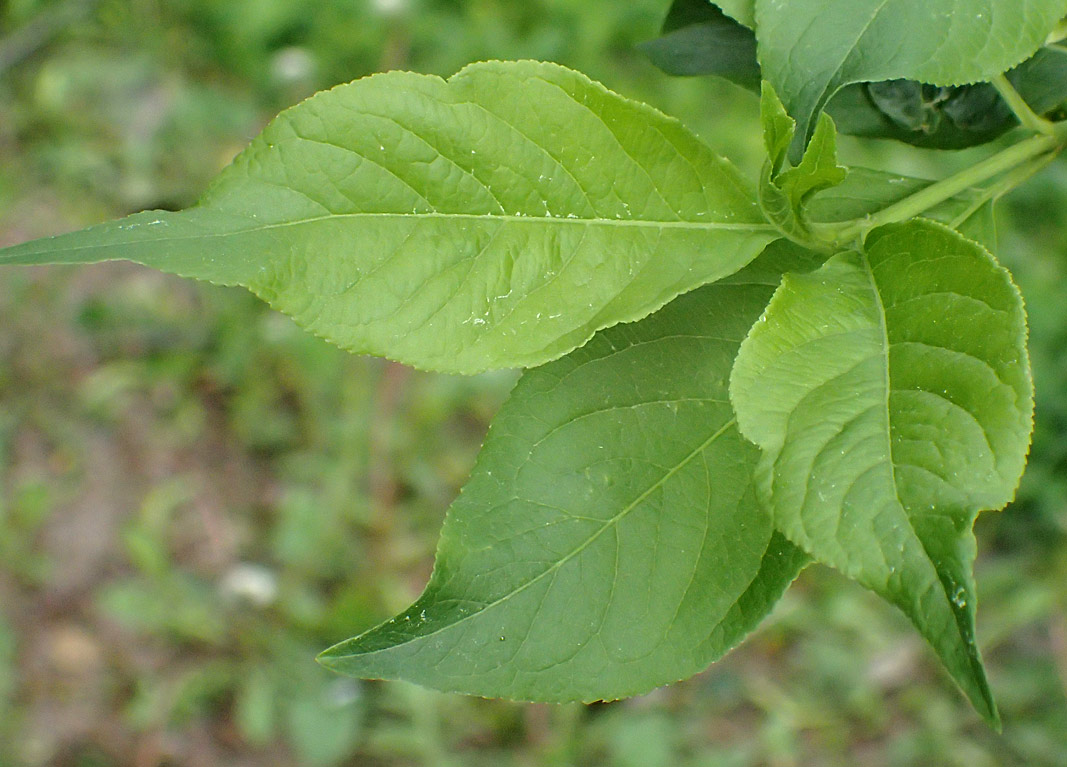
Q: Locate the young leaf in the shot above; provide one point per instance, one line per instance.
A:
(809, 49)
(497, 219)
(609, 539)
(785, 193)
(891, 394)
(699, 39)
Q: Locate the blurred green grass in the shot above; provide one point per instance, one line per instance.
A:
(196, 496)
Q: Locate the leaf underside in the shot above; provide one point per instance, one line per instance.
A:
(497, 219)
(890, 393)
(609, 540)
(949, 118)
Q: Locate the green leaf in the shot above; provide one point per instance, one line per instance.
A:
(785, 193)
(979, 225)
(609, 539)
(809, 49)
(699, 39)
(497, 219)
(890, 392)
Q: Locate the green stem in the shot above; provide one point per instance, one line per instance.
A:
(1004, 161)
(1026, 116)
(1003, 185)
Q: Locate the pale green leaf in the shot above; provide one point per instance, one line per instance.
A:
(891, 394)
(778, 128)
(818, 168)
(785, 192)
(496, 219)
(609, 539)
(809, 49)
(743, 11)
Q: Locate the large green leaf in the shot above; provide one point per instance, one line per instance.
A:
(891, 394)
(809, 49)
(609, 539)
(496, 219)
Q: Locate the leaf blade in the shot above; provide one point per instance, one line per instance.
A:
(583, 563)
(888, 424)
(497, 219)
(955, 118)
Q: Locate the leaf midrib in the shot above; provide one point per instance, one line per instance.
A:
(610, 523)
(709, 226)
(880, 305)
(519, 218)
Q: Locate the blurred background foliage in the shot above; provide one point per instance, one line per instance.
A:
(196, 496)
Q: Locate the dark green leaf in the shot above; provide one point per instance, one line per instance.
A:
(1042, 80)
(609, 539)
(699, 39)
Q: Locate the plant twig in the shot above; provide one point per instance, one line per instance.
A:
(1016, 156)
(1003, 185)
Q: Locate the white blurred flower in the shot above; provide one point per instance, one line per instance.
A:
(292, 65)
(344, 692)
(391, 7)
(251, 583)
